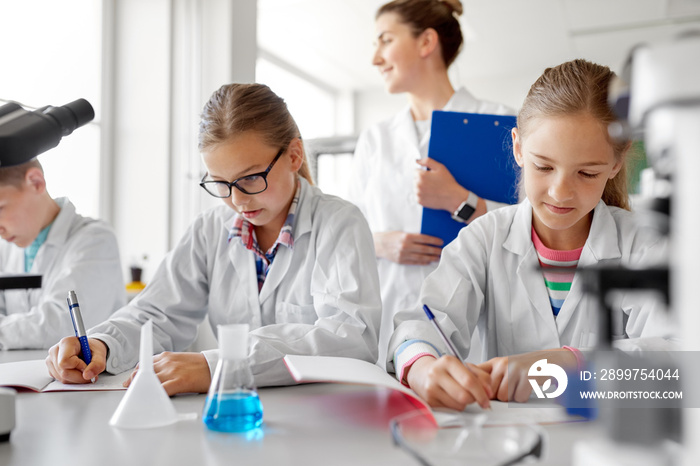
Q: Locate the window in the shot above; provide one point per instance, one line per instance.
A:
(51, 56)
(312, 107)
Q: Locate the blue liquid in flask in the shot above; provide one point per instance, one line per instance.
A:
(239, 411)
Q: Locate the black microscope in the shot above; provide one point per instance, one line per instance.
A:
(24, 135)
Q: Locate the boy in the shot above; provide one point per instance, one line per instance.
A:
(47, 237)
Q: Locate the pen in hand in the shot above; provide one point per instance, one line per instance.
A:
(79, 328)
(450, 348)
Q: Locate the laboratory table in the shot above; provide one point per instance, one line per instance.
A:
(312, 424)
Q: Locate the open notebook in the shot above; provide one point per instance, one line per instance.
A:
(348, 370)
(34, 375)
(355, 371)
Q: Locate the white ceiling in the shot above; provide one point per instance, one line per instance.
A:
(331, 40)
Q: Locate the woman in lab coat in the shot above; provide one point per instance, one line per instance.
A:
(295, 264)
(575, 214)
(417, 41)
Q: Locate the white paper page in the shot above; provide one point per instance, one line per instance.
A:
(532, 412)
(344, 370)
(33, 375)
(506, 414)
(104, 382)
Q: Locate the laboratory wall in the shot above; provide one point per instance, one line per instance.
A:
(168, 57)
(141, 128)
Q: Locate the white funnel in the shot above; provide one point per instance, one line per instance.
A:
(145, 403)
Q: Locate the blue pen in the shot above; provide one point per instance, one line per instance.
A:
(451, 349)
(77, 319)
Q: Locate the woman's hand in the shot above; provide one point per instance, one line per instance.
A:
(407, 248)
(65, 365)
(436, 188)
(180, 372)
(447, 382)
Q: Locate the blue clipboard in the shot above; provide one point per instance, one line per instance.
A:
(477, 149)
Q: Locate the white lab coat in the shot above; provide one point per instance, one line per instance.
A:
(489, 277)
(80, 254)
(319, 298)
(382, 185)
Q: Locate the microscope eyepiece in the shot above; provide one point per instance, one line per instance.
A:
(72, 115)
(26, 134)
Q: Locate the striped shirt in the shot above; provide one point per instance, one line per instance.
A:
(558, 271)
(245, 230)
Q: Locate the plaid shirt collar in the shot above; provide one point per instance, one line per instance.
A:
(244, 230)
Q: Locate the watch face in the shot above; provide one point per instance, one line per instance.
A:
(466, 212)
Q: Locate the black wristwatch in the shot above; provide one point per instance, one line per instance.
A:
(466, 209)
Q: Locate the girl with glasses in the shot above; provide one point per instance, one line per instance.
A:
(295, 264)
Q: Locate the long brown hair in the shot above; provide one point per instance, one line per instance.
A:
(237, 108)
(579, 87)
(440, 15)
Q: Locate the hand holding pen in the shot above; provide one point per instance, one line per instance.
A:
(65, 364)
(77, 319)
(449, 381)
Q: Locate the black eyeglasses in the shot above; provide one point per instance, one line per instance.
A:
(250, 184)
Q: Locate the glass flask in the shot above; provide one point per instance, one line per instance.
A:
(232, 403)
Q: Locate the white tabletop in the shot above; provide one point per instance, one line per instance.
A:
(303, 425)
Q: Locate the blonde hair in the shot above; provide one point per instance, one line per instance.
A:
(579, 87)
(237, 108)
(14, 175)
(440, 15)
